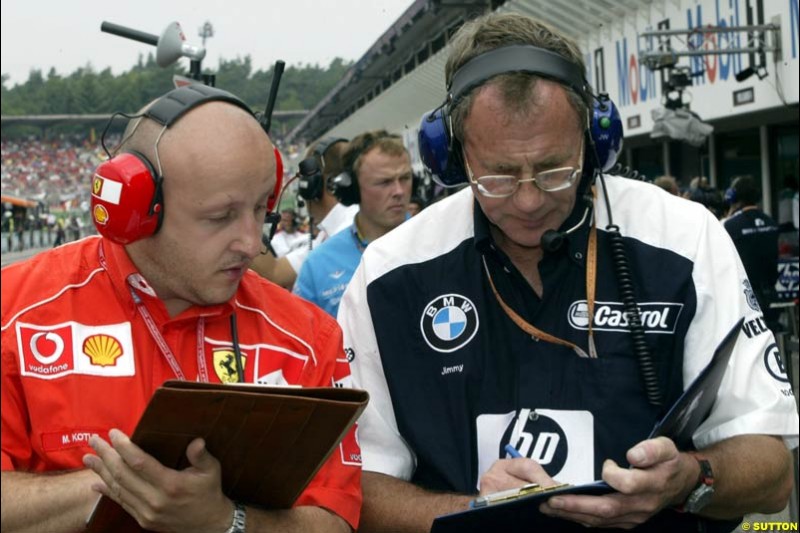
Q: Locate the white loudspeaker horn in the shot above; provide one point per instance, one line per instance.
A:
(172, 46)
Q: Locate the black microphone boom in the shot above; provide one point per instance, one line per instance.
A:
(552, 240)
(273, 94)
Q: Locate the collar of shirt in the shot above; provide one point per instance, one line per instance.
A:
(577, 241)
(124, 274)
(509, 282)
(361, 242)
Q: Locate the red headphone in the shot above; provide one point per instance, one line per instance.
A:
(127, 199)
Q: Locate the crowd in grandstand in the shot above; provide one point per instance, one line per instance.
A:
(53, 170)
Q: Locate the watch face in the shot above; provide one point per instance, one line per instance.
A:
(699, 498)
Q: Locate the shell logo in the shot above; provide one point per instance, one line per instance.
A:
(100, 214)
(103, 350)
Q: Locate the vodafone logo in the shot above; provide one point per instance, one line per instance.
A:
(58, 350)
(349, 449)
(52, 344)
(45, 351)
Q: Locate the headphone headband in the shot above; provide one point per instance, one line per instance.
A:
(176, 103)
(440, 151)
(311, 183)
(326, 143)
(345, 185)
(516, 58)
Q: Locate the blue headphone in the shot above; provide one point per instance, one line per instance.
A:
(730, 195)
(440, 151)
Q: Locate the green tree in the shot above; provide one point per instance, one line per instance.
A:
(86, 91)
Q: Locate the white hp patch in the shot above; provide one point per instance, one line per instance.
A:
(561, 441)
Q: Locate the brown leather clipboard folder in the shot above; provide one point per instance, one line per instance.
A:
(270, 440)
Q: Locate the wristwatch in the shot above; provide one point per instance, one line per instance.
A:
(239, 519)
(704, 490)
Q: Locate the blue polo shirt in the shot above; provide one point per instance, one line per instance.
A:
(327, 270)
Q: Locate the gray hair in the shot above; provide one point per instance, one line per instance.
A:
(496, 30)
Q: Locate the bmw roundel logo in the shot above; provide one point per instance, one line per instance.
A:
(449, 322)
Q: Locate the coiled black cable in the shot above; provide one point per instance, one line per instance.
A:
(627, 172)
(625, 285)
(627, 291)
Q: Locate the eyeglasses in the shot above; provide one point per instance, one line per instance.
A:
(502, 186)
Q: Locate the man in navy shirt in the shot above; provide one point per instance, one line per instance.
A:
(755, 235)
(495, 318)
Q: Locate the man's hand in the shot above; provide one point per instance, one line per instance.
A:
(507, 474)
(160, 498)
(659, 476)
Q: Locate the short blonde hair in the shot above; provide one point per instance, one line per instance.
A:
(361, 145)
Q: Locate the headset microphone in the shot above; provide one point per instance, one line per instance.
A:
(553, 240)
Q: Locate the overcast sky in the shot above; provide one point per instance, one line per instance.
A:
(39, 34)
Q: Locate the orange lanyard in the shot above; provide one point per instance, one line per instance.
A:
(591, 284)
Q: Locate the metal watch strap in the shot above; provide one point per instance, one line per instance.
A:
(239, 519)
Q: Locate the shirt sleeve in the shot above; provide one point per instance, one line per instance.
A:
(337, 485)
(16, 445)
(279, 244)
(383, 448)
(755, 396)
(298, 256)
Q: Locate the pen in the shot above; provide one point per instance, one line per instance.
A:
(510, 450)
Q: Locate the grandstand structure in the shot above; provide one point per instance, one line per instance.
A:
(734, 65)
(99, 120)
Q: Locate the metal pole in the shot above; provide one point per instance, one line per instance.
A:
(716, 51)
(766, 191)
(712, 160)
(710, 29)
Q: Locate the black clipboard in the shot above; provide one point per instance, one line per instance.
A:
(694, 405)
(683, 418)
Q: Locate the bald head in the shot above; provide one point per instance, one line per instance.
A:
(218, 169)
(215, 135)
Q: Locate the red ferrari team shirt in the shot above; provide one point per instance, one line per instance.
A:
(85, 343)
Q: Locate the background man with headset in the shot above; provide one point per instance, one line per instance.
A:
(323, 162)
(91, 329)
(517, 330)
(755, 235)
(378, 178)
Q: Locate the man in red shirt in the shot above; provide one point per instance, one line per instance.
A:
(91, 329)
